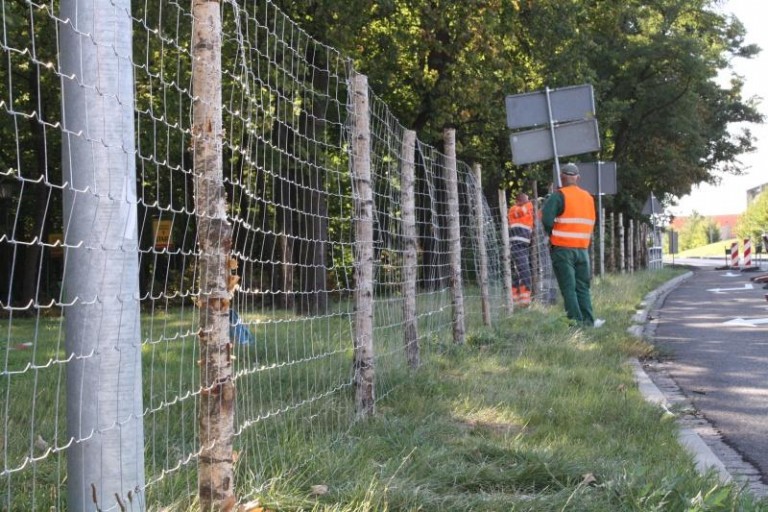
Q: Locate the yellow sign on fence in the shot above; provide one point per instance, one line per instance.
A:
(57, 251)
(162, 232)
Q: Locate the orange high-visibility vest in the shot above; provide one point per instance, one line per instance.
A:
(520, 222)
(573, 228)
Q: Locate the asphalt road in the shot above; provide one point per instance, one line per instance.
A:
(713, 333)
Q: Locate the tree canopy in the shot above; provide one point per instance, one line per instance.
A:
(754, 222)
(666, 116)
(697, 231)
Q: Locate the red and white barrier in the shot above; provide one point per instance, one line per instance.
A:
(735, 255)
(747, 253)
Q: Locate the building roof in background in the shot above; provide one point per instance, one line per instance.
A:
(726, 222)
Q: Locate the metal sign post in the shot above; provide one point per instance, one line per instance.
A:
(563, 120)
(600, 219)
(553, 137)
(653, 209)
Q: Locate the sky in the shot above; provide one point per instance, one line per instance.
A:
(730, 197)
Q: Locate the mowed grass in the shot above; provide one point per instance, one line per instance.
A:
(529, 414)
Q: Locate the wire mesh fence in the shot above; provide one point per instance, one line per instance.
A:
(111, 233)
(101, 287)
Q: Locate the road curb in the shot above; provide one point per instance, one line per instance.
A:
(704, 458)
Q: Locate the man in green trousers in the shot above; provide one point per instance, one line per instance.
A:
(568, 216)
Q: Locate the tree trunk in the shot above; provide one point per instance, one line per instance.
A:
(314, 299)
(33, 253)
(286, 193)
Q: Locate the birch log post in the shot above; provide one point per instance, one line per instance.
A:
(506, 256)
(622, 260)
(410, 257)
(485, 301)
(454, 235)
(214, 239)
(364, 369)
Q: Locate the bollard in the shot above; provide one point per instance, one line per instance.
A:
(747, 253)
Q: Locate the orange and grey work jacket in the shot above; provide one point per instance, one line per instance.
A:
(520, 219)
(573, 227)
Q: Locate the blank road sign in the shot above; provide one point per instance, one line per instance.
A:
(568, 104)
(571, 139)
(588, 177)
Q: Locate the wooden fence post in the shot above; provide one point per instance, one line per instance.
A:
(214, 235)
(454, 234)
(613, 265)
(485, 301)
(506, 257)
(602, 243)
(410, 258)
(622, 261)
(364, 368)
(631, 247)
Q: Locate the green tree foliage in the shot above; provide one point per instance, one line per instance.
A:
(754, 222)
(712, 228)
(666, 118)
(697, 231)
(663, 117)
(29, 154)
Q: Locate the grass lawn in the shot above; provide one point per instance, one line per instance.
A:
(530, 414)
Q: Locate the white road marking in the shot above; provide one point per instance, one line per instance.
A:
(751, 322)
(747, 286)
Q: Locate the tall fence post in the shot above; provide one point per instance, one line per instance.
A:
(602, 243)
(214, 240)
(622, 260)
(642, 246)
(454, 234)
(364, 370)
(541, 289)
(410, 258)
(613, 265)
(485, 301)
(631, 247)
(506, 256)
(105, 460)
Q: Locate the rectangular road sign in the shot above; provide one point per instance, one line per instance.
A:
(588, 177)
(572, 139)
(568, 104)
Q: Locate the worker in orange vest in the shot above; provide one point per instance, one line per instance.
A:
(568, 217)
(520, 218)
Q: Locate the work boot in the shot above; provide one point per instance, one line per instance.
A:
(525, 296)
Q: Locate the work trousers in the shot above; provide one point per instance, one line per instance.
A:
(573, 274)
(522, 264)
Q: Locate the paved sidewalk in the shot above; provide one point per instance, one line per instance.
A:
(696, 433)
